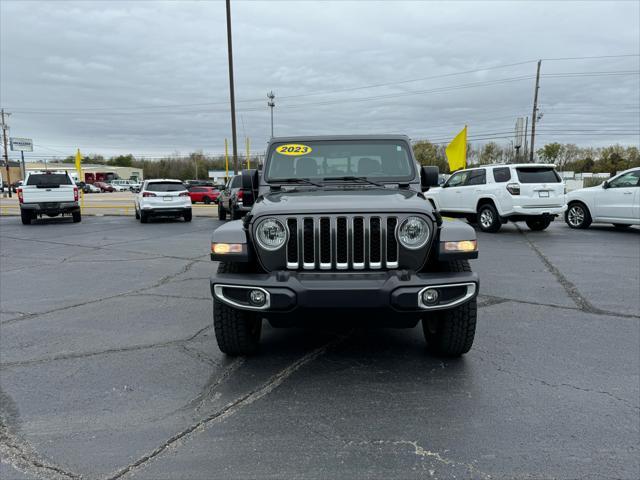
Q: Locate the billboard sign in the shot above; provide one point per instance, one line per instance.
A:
(21, 144)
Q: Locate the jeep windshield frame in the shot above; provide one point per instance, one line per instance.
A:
(345, 161)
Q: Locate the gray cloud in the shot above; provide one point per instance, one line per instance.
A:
(116, 77)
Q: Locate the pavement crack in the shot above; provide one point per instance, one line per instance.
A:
(230, 408)
(540, 381)
(20, 455)
(572, 291)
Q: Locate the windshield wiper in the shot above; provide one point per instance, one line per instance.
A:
(306, 181)
(354, 178)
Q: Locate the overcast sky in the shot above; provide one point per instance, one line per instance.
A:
(151, 77)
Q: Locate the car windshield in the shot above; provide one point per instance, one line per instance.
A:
(165, 187)
(49, 179)
(326, 160)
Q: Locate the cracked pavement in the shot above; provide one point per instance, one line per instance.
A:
(109, 368)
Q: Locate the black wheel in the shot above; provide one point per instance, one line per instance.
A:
(222, 213)
(237, 331)
(77, 216)
(538, 224)
(137, 214)
(488, 219)
(450, 333)
(206, 200)
(26, 217)
(187, 215)
(621, 226)
(577, 215)
(144, 217)
(235, 213)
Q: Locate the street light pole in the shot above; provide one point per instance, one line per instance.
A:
(231, 90)
(271, 104)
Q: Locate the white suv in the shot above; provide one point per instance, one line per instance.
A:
(616, 201)
(163, 197)
(491, 195)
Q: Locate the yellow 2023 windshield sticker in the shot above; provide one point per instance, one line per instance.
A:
(293, 149)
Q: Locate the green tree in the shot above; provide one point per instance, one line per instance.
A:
(551, 152)
(427, 153)
(490, 153)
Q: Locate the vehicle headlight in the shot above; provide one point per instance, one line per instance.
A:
(271, 234)
(413, 233)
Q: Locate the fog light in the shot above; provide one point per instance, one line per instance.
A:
(257, 298)
(430, 296)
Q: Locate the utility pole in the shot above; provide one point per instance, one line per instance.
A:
(271, 104)
(526, 129)
(535, 113)
(5, 127)
(231, 90)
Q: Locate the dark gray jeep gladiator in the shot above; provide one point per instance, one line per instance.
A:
(339, 224)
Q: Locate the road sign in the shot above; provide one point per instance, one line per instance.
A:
(21, 144)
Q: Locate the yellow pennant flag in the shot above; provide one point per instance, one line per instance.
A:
(79, 165)
(457, 151)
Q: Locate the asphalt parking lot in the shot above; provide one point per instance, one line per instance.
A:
(109, 367)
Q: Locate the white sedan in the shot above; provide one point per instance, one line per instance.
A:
(616, 201)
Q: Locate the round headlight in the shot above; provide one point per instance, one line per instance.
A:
(413, 233)
(271, 234)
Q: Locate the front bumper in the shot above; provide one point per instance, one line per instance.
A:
(396, 290)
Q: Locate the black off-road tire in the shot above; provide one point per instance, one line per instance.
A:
(237, 331)
(77, 216)
(450, 333)
(188, 215)
(144, 217)
(538, 224)
(222, 213)
(26, 217)
(488, 219)
(577, 215)
(206, 200)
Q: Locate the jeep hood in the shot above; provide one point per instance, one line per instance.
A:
(365, 200)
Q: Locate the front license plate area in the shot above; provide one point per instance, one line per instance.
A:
(167, 198)
(544, 194)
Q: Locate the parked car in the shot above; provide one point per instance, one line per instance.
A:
(90, 188)
(130, 185)
(163, 197)
(491, 195)
(50, 193)
(230, 200)
(119, 188)
(340, 224)
(616, 201)
(104, 187)
(205, 195)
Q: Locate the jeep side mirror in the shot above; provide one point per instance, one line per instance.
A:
(428, 177)
(249, 186)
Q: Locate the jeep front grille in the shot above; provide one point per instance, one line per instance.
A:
(354, 242)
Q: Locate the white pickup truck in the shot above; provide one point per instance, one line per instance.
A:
(50, 193)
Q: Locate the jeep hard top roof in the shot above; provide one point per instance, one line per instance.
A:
(315, 138)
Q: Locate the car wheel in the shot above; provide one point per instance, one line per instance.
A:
(577, 215)
(187, 215)
(237, 331)
(488, 218)
(207, 200)
(137, 214)
(621, 226)
(26, 217)
(144, 217)
(222, 213)
(77, 216)
(450, 333)
(538, 224)
(235, 214)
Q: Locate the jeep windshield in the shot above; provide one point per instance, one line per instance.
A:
(334, 161)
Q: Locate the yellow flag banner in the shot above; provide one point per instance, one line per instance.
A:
(457, 151)
(79, 165)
